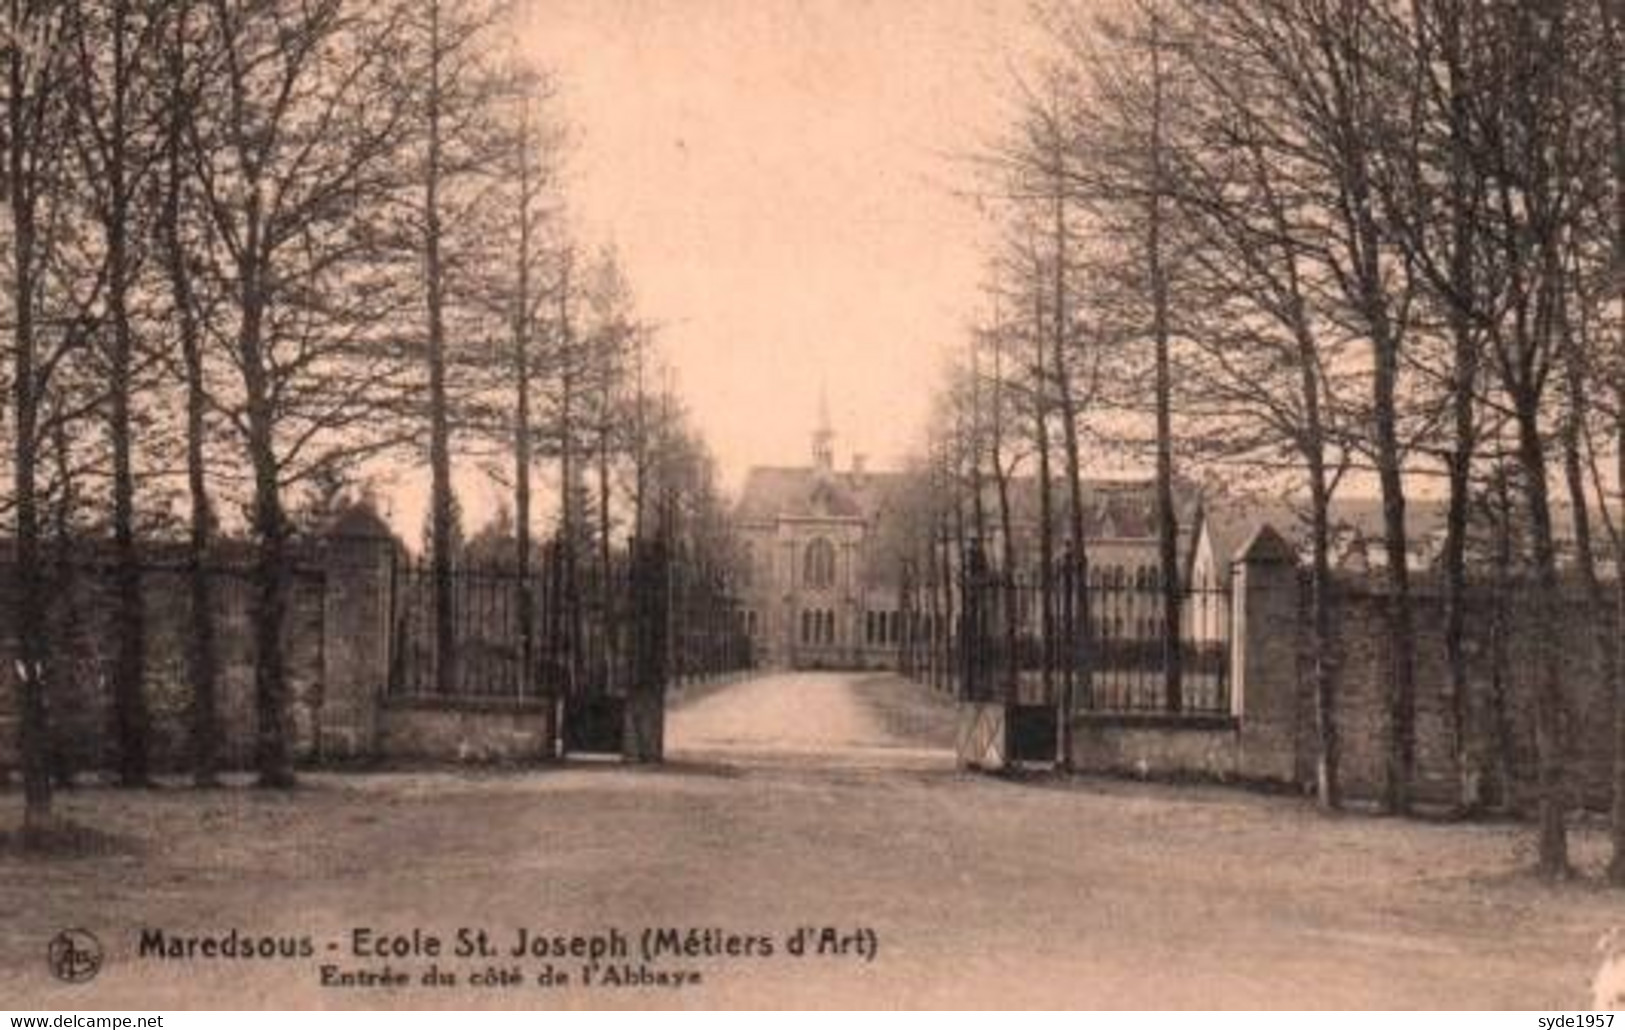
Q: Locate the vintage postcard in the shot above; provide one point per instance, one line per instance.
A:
(812, 504)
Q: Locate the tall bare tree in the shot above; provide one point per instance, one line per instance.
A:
(36, 65)
(116, 84)
(294, 159)
(179, 240)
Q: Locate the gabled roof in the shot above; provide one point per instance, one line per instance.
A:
(773, 492)
(1231, 521)
(1113, 509)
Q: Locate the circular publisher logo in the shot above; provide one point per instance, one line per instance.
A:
(75, 956)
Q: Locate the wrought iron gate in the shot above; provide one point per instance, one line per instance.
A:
(1032, 653)
(596, 638)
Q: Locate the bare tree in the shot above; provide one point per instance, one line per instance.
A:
(293, 153)
(178, 242)
(116, 81)
(453, 90)
(1264, 357)
(36, 59)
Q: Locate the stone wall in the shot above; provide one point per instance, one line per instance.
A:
(1501, 663)
(81, 704)
(1271, 735)
(467, 731)
(339, 647)
(1204, 748)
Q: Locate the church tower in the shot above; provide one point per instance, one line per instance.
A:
(823, 438)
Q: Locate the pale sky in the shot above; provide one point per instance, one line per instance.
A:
(780, 178)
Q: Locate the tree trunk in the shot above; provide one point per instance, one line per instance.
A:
(1616, 862)
(1007, 561)
(129, 668)
(521, 427)
(1550, 742)
(1466, 734)
(568, 527)
(1046, 499)
(273, 756)
(1614, 41)
(1401, 759)
(441, 503)
(1078, 658)
(1572, 439)
(1328, 766)
(28, 599)
(202, 653)
(66, 619)
(1157, 276)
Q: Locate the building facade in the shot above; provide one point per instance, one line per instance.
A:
(824, 588)
(816, 593)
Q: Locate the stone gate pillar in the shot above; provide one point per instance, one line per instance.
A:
(358, 559)
(1264, 694)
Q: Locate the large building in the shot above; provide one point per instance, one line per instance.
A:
(817, 593)
(823, 586)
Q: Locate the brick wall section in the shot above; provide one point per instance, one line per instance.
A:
(467, 731)
(81, 701)
(1363, 679)
(1161, 748)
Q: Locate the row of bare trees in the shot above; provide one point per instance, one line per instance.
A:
(256, 247)
(1313, 243)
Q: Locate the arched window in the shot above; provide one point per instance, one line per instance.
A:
(818, 565)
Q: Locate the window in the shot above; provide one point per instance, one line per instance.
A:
(869, 634)
(747, 564)
(818, 565)
(817, 626)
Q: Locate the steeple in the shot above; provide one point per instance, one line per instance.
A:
(823, 436)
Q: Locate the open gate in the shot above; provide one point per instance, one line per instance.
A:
(596, 641)
(999, 727)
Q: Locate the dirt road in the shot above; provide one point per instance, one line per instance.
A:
(800, 802)
(825, 719)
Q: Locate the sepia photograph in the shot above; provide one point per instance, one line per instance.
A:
(812, 505)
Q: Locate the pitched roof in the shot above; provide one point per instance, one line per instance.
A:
(1112, 508)
(1232, 520)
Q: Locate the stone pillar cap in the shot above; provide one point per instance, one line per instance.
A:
(1267, 547)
